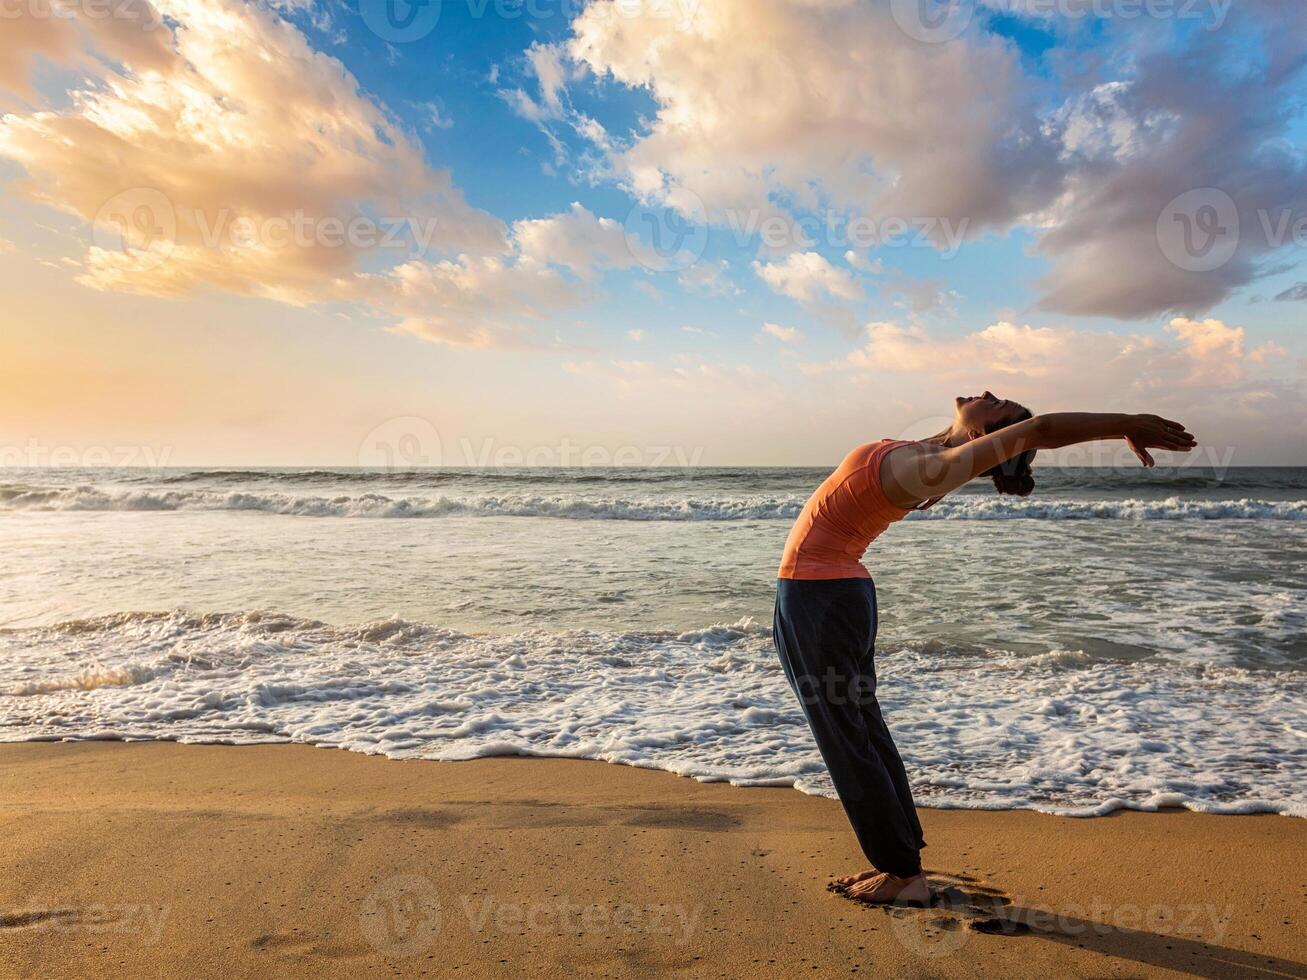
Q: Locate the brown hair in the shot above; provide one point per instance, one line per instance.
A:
(1013, 476)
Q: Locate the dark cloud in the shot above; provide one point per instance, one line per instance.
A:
(1209, 115)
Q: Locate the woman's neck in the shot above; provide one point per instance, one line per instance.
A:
(948, 438)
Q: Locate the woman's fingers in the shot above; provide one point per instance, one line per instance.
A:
(1173, 436)
(1159, 433)
(1139, 451)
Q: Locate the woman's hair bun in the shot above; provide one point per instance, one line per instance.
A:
(1019, 484)
(1014, 476)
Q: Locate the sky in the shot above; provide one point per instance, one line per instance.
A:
(718, 232)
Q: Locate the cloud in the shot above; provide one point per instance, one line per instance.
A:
(1002, 348)
(786, 335)
(546, 64)
(816, 102)
(709, 278)
(649, 290)
(245, 130)
(690, 373)
(79, 35)
(1135, 146)
(920, 295)
(808, 277)
(437, 116)
(788, 107)
(227, 153)
(862, 263)
(1294, 293)
(1205, 370)
(501, 301)
(471, 302)
(575, 240)
(1217, 351)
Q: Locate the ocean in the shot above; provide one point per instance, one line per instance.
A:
(1120, 639)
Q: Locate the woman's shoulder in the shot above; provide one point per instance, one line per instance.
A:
(867, 459)
(882, 447)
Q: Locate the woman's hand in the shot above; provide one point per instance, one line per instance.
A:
(1145, 432)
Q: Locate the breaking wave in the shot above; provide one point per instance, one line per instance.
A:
(574, 507)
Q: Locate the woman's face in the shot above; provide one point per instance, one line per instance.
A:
(982, 413)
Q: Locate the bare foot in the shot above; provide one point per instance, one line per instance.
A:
(884, 889)
(849, 880)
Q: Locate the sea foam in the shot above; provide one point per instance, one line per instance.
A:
(1060, 732)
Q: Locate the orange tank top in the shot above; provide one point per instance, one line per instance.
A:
(843, 516)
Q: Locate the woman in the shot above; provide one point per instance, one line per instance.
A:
(825, 624)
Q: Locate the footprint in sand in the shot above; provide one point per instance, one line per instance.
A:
(959, 906)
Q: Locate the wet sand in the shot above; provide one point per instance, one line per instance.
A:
(153, 860)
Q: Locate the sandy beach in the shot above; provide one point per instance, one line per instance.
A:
(138, 860)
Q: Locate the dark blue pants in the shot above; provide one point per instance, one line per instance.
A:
(825, 633)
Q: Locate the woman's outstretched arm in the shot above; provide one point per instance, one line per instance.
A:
(912, 474)
(1141, 432)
